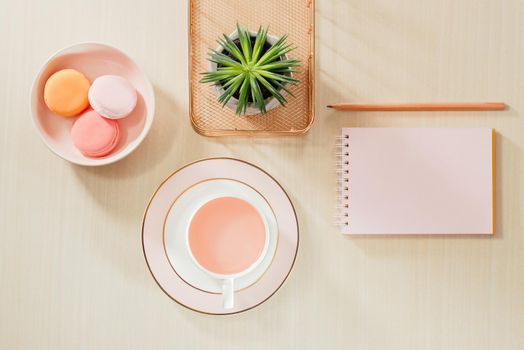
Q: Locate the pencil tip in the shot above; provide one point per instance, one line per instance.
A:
(329, 106)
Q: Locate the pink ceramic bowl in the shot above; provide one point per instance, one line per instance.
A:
(93, 60)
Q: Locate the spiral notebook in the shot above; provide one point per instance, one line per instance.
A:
(416, 181)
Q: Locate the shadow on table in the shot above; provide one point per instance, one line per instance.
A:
(153, 149)
(502, 145)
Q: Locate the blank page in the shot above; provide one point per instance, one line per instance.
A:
(418, 181)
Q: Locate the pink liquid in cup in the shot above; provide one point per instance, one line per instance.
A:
(227, 235)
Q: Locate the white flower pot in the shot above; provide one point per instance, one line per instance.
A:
(252, 109)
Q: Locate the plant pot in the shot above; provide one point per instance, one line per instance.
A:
(252, 109)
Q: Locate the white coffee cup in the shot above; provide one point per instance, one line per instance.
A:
(227, 238)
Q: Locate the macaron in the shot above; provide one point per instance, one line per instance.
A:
(65, 92)
(112, 96)
(94, 135)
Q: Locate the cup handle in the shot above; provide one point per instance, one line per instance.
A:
(228, 292)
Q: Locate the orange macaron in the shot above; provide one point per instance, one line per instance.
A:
(66, 92)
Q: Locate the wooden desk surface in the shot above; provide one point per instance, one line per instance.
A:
(72, 274)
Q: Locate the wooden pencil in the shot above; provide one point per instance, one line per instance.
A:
(483, 106)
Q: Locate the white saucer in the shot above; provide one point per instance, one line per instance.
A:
(177, 220)
(153, 238)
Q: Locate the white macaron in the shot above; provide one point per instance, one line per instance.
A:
(112, 96)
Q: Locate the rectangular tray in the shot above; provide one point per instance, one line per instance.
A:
(208, 19)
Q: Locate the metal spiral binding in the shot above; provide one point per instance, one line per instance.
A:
(342, 216)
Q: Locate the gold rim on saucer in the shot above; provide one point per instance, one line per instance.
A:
(294, 256)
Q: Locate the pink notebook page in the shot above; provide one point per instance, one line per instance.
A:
(417, 181)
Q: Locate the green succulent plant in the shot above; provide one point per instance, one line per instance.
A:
(250, 69)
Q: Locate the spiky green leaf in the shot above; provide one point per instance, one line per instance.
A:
(245, 70)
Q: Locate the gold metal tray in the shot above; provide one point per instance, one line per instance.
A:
(208, 19)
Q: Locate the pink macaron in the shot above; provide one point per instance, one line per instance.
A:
(112, 96)
(94, 135)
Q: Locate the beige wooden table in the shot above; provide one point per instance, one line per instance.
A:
(72, 274)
